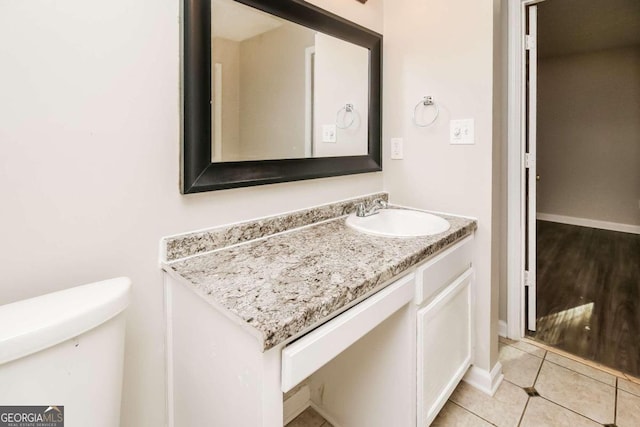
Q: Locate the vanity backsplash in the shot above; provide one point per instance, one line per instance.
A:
(198, 242)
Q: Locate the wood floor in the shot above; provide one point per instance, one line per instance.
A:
(588, 297)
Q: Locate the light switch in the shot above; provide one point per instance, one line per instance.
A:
(329, 133)
(461, 131)
(396, 149)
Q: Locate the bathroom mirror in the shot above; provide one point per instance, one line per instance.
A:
(274, 92)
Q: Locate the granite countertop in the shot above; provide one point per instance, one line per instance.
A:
(284, 283)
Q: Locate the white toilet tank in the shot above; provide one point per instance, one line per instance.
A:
(66, 349)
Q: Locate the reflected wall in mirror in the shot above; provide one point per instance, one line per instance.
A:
(276, 91)
(284, 91)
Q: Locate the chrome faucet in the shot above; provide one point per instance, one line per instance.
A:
(374, 208)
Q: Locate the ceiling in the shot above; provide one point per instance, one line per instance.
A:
(568, 27)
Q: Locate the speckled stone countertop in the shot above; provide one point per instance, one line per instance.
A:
(285, 283)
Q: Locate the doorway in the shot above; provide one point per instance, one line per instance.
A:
(581, 178)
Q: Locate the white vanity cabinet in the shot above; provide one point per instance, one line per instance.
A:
(444, 296)
(391, 359)
(357, 366)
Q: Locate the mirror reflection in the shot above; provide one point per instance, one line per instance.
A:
(284, 91)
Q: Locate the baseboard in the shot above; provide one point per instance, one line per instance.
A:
(502, 328)
(585, 222)
(325, 415)
(296, 404)
(486, 382)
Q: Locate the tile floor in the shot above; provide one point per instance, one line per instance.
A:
(562, 392)
(309, 418)
(540, 388)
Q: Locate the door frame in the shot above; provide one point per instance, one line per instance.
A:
(516, 191)
(309, 57)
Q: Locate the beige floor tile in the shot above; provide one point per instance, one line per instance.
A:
(309, 418)
(519, 367)
(542, 413)
(594, 373)
(591, 363)
(503, 409)
(628, 410)
(504, 340)
(577, 392)
(524, 346)
(628, 386)
(453, 415)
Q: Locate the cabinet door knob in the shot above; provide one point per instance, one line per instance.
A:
(537, 177)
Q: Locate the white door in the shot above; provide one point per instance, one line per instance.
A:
(530, 163)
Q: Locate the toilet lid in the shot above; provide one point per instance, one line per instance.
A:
(34, 324)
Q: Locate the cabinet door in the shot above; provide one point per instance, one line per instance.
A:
(444, 346)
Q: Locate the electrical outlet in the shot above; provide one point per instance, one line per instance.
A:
(397, 152)
(329, 133)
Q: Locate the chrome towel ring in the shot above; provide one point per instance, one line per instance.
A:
(348, 113)
(427, 101)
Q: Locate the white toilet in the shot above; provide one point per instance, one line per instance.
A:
(66, 349)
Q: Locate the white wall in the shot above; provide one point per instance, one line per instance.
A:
(272, 93)
(368, 15)
(445, 48)
(89, 135)
(589, 135)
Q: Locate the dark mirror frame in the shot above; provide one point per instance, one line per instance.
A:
(198, 172)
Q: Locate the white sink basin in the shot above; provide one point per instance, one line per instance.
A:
(399, 223)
